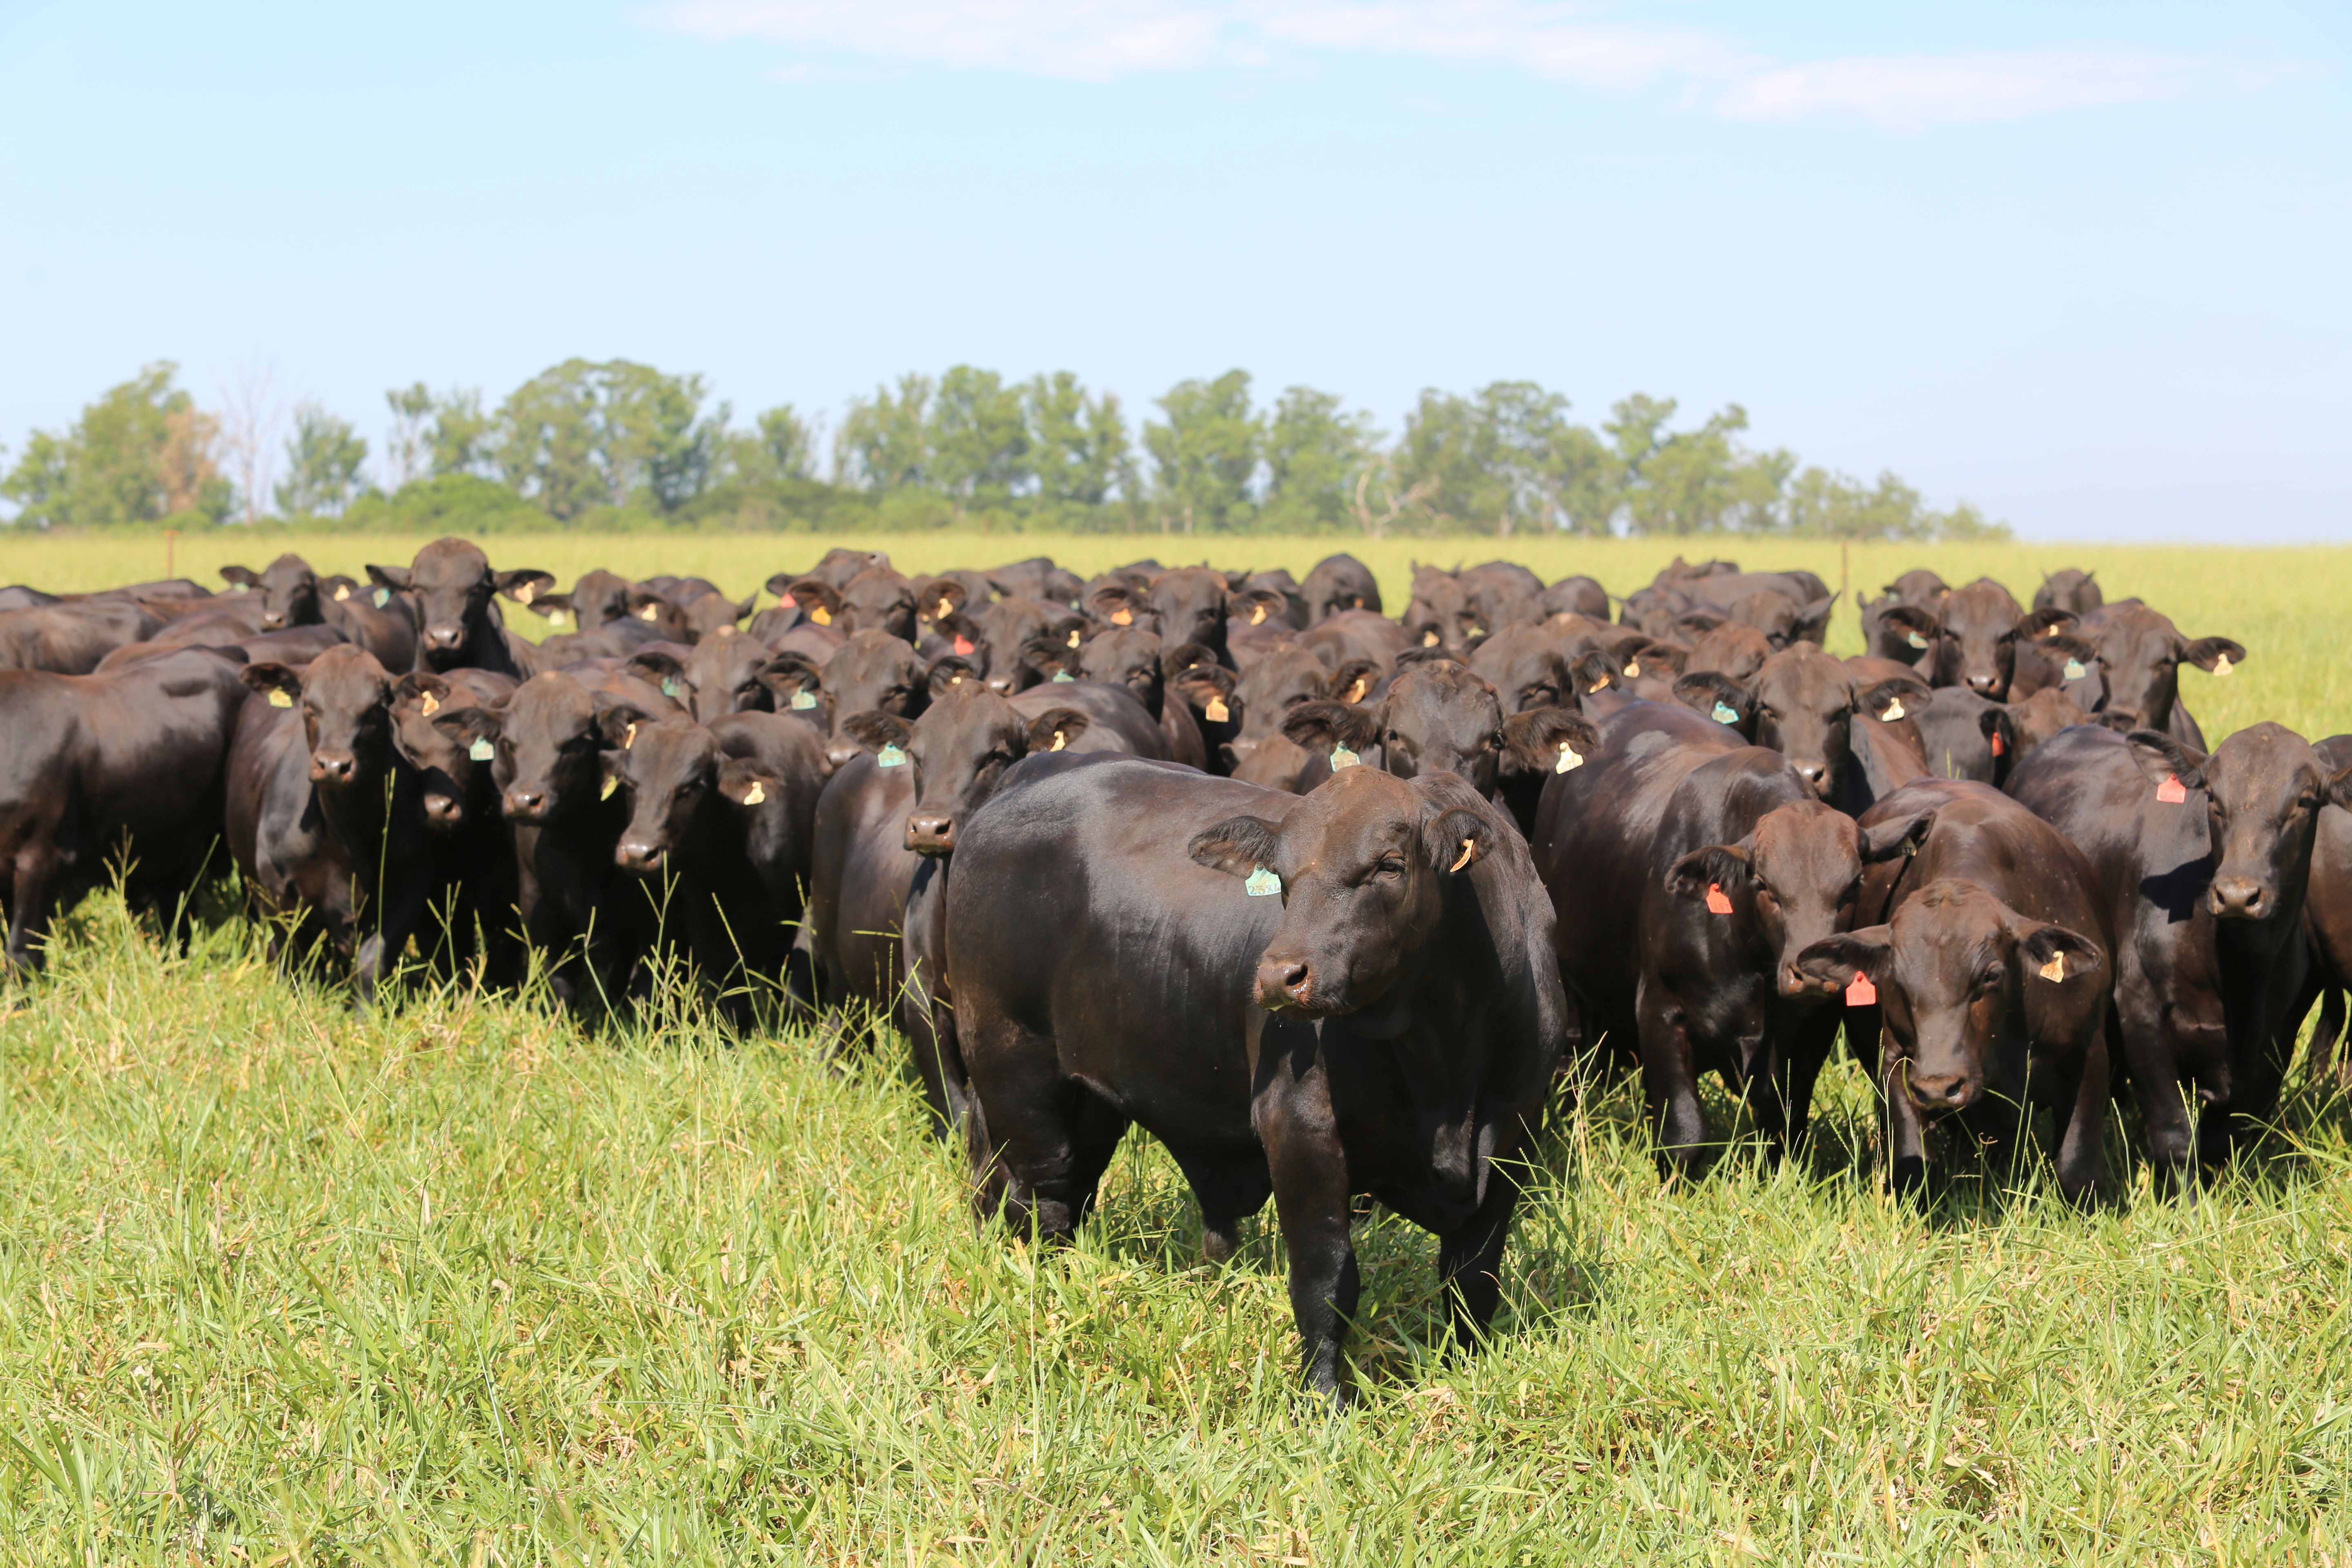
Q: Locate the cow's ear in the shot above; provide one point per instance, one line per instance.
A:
(1896, 836)
(1548, 740)
(1235, 579)
(1698, 623)
(396, 578)
(942, 597)
(789, 674)
(1186, 657)
(1050, 657)
(1814, 618)
(619, 724)
(2207, 653)
(949, 671)
(781, 585)
(2041, 945)
(550, 605)
(1595, 672)
(747, 783)
(1113, 600)
(1426, 634)
(524, 583)
(1257, 606)
(2161, 757)
(2000, 733)
(1322, 726)
(2065, 646)
(418, 685)
(1456, 840)
(875, 729)
(1895, 699)
(1718, 865)
(243, 576)
(281, 679)
(2339, 789)
(1715, 695)
(1238, 846)
(1352, 682)
(1836, 960)
(470, 724)
(1413, 656)
(819, 600)
(1655, 655)
(1054, 730)
(1913, 621)
(654, 665)
(2040, 623)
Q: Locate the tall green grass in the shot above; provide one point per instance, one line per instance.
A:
(452, 1282)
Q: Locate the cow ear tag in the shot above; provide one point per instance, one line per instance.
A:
(1862, 992)
(1894, 711)
(947, 608)
(820, 616)
(650, 613)
(756, 793)
(890, 757)
(803, 700)
(612, 782)
(1429, 639)
(1074, 637)
(2075, 670)
(1568, 759)
(1719, 902)
(2055, 969)
(1997, 749)
(1217, 712)
(1122, 617)
(430, 706)
(525, 591)
(342, 591)
(1342, 757)
(1633, 669)
(278, 699)
(383, 597)
(963, 645)
(1725, 713)
(1065, 677)
(1060, 740)
(628, 737)
(1262, 883)
(669, 686)
(2172, 791)
(1916, 640)
(481, 751)
(2221, 665)
(786, 602)
(1257, 614)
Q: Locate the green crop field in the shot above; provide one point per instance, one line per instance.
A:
(455, 1283)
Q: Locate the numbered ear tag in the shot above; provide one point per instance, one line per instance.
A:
(481, 751)
(803, 700)
(1429, 639)
(1725, 713)
(1342, 757)
(669, 686)
(1074, 637)
(430, 706)
(1060, 740)
(278, 699)
(1063, 677)
(1568, 759)
(756, 793)
(1216, 711)
(1122, 617)
(2221, 665)
(342, 591)
(612, 782)
(1861, 993)
(1476, 632)
(947, 608)
(890, 757)
(1257, 614)
(1633, 669)
(1894, 711)
(1355, 692)
(1599, 685)
(1719, 902)
(1262, 883)
(383, 597)
(2075, 670)
(2055, 969)
(650, 613)
(525, 591)
(963, 647)
(820, 616)
(2172, 791)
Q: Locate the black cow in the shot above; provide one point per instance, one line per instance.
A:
(1385, 1021)
(72, 639)
(2327, 922)
(2069, 589)
(1975, 635)
(291, 594)
(1338, 582)
(2140, 653)
(452, 589)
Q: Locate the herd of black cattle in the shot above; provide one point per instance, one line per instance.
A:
(1322, 899)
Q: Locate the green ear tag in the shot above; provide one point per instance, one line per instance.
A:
(803, 700)
(890, 757)
(1343, 758)
(612, 782)
(669, 686)
(2075, 670)
(1916, 640)
(1725, 714)
(383, 597)
(481, 751)
(1060, 675)
(1263, 883)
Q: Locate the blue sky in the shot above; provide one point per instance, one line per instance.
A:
(2082, 264)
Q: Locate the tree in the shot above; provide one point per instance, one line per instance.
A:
(140, 453)
(1820, 503)
(884, 441)
(1079, 446)
(978, 438)
(1314, 455)
(583, 435)
(323, 457)
(249, 421)
(788, 444)
(1447, 456)
(1692, 481)
(1206, 453)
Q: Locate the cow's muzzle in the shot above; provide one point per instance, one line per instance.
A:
(931, 833)
(2239, 899)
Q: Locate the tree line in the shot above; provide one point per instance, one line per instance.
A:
(618, 444)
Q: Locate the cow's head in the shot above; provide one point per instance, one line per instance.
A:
(545, 747)
(2263, 787)
(1523, 663)
(2140, 653)
(288, 590)
(452, 585)
(958, 749)
(1975, 638)
(446, 776)
(346, 699)
(675, 777)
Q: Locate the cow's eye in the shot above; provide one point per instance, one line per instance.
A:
(1391, 866)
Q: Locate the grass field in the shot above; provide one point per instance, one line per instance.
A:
(454, 1283)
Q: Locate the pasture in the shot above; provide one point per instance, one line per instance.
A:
(454, 1282)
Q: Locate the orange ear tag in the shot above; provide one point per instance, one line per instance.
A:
(1719, 902)
(1862, 992)
(785, 602)
(430, 706)
(1122, 617)
(963, 647)
(2172, 791)
(1997, 749)
(1257, 617)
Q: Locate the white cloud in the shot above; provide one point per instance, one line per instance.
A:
(1106, 40)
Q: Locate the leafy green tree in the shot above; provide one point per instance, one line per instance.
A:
(788, 442)
(1692, 481)
(140, 453)
(583, 435)
(978, 438)
(323, 457)
(1078, 445)
(1447, 457)
(1820, 503)
(1206, 453)
(1314, 453)
(884, 443)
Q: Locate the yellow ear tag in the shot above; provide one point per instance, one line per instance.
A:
(1060, 740)
(1217, 712)
(612, 782)
(430, 706)
(525, 593)
(2221, 665)
(803, 700)
(1262, 884)
(279, 700)
(342, 591)
(820, 616)
(1257, 614)
(1568, 759)
(558, 616)
(2055, 969)
(1122, 617)
(1476, 632)
(628, 737)
(1356, 692)
(756, 793)
(1074, 637)
(890, 756)
(1343, 758)
(947, 608)
(1469, 848)
(1429, 639)
(1633, 669)
(1894, 711)
(2075, 670)
(1601, 685)
(650, 613)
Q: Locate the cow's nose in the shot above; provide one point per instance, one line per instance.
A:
(1940, 1091)
(524, 801)
(332, 767)
(1983, 685)
(1001, 684)
(1816, 776)
(1284, 982)
(444, 636)
(272, 622)
(1795, 981)
(841, 753)
(443, 809)
(2239, 899)
(930, 832)
(637, 856)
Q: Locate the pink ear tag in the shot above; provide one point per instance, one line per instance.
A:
(2172, 791)
(1719, 902)
(963, 645)
(1862, 992)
